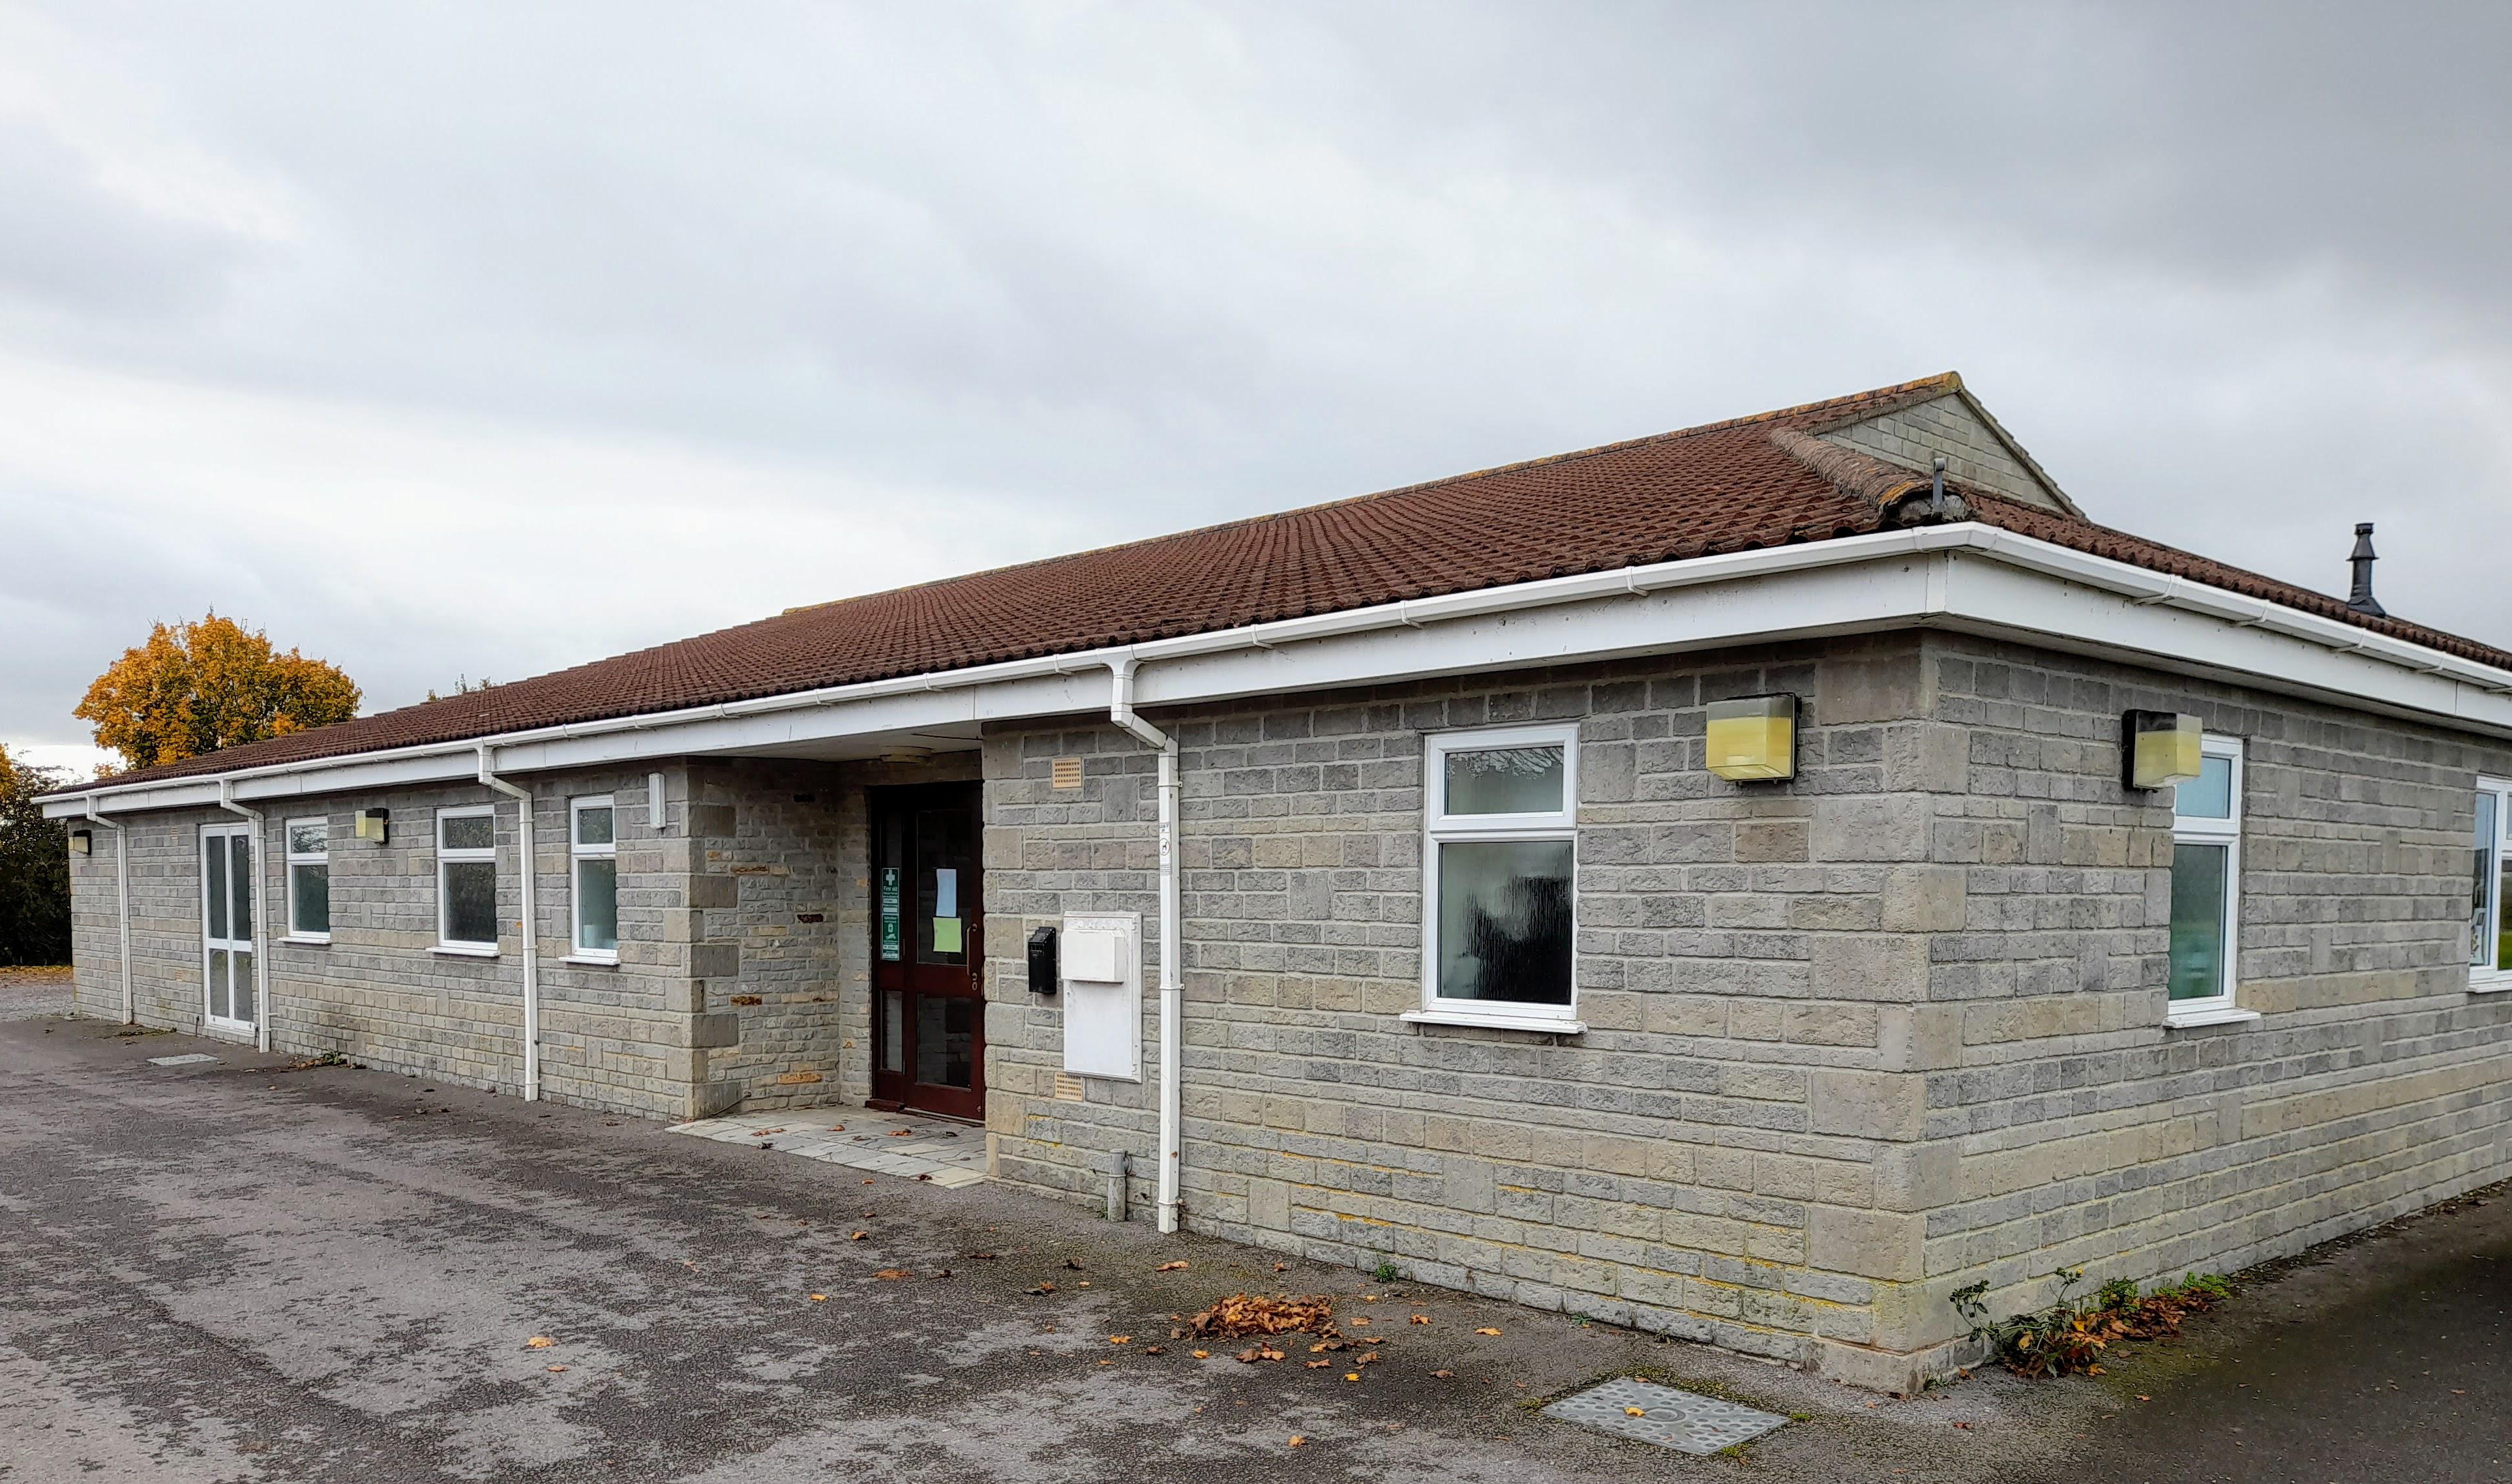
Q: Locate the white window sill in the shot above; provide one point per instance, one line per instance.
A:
(2182, 1020)
(465, 950)
(2492, 984)
(308, 940)
(1549, 1025)
(593, 960)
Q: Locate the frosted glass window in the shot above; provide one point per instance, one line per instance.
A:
(471, 902)
(309, 900)
(309, 879)
(1505, 920)
(594, 885)
(2209, 795)
(1499, 876)
(2198, 875)
(466, 878)
(597, 906)
(1504, 780)
(2207, 884)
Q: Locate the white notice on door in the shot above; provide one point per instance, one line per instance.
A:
(946, 893)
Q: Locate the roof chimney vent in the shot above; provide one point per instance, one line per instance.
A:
(2361, 598)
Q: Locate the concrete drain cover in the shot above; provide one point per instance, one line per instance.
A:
(1668, 1417)
(187, 1059)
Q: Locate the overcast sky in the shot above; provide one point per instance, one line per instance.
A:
(454, 340)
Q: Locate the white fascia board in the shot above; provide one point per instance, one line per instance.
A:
(1967, 575)
(1986, 595)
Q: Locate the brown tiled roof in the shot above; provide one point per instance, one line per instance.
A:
(1726, 486)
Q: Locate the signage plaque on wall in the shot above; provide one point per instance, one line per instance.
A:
(889, 914)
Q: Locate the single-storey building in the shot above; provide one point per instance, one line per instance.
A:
(1746, 883)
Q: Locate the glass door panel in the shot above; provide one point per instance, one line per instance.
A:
(227, 997)
(929, 1004)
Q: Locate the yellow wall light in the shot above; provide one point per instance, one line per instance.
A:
(2160, 747)
(82, 841)
(373, 824)
(1753, 739)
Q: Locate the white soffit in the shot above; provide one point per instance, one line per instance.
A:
(1967, 576)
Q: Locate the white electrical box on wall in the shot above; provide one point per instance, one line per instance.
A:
(1102, 972)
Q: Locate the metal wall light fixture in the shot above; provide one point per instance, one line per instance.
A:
(1753, 739)
(374, 824)
(82, 841)
(2160, 747)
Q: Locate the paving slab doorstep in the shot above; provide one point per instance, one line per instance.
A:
(926, 1150)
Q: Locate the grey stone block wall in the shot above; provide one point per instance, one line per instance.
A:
(615, 1037)
(1853, 1042)
(2083, 1133)
(1718, 1156)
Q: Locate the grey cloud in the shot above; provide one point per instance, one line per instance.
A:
(2233, 271)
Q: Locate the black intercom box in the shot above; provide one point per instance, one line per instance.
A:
(1041, 960)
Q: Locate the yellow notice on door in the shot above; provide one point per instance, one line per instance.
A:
(945, 935)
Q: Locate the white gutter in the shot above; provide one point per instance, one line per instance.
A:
(121, 903)
(260, 915)
(531, 925)
(2140, 585)
(1120, 709)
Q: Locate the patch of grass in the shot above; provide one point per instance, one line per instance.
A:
(1385, 1272)
(2068, 1338)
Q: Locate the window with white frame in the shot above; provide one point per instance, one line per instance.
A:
(466, 878)
(2207, 882)
(309, 879)
(1498, 855)
(593, 856)
(2490, 939)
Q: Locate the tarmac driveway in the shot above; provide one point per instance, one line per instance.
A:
(243, 1271)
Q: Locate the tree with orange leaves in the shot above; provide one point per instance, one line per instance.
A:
(196, 687)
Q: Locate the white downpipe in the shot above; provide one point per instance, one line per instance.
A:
(121, 903)
(260, 918)
(1120, 709)
(531, 925)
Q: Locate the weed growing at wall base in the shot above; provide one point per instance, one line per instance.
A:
(2067, 1337)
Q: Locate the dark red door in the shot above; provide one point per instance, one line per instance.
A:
(928, 1003)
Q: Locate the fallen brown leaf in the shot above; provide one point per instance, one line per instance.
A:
(1421, 1318)
(556, 1369)
(542, 1343)
(1120, 1339)
(1487, 1330)
(1297, 1440)
(1200, 1354)
(1444, 1375)
(1176, 1266)
(1243, 1313)
(1041, 1288)
(856, 1236)
(1154, 1349)
(1359, 1320)
(1635, 1411)
(887, 1274)
(1351, 1376)
(1318, 1365)
(819, 1298)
